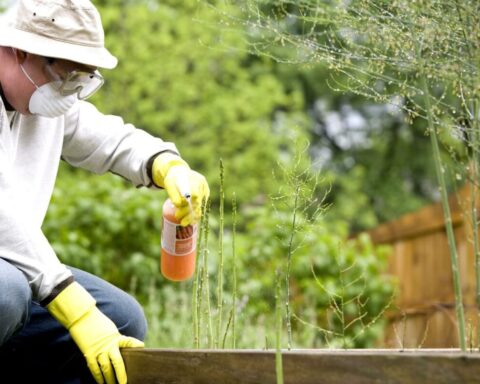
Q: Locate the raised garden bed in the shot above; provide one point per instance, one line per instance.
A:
(167, 366)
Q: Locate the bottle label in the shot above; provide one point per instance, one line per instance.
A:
(178, 240)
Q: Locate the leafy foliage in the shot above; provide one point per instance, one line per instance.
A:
(105, 226)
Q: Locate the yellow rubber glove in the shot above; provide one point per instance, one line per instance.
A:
(171, 172)
(94, 333)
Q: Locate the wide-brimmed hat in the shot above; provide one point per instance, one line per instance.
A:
(70, 30)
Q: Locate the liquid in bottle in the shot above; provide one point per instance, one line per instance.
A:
(179, 246)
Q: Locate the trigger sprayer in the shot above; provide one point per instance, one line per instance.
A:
(179, 244)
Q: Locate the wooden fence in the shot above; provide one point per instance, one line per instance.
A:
(424, 312)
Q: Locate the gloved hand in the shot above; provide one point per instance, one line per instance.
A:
(171, 172)
(94, 333)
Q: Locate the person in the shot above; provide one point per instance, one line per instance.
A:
(59, 324)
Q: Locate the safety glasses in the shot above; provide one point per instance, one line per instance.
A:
(84, 84)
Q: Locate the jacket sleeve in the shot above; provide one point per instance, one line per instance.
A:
(22, 242)
(101, 143)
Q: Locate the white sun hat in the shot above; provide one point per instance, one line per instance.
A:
(70, 30)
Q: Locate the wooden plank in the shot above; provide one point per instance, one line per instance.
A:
(166, 366)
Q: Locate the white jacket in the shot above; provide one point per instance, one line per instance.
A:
(30, 150)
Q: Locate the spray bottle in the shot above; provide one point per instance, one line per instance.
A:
(179, 244)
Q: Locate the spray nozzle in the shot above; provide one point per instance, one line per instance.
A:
(183, 185)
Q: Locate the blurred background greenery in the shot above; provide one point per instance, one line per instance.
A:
(187, 76)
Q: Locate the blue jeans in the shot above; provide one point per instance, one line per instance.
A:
(35, 348)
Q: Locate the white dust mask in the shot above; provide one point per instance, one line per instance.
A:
(47, 101)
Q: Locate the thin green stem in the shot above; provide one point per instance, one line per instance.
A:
(476, 247)
(196, 338)
(205, 282)
(474, 215)
(199, 306)
(446, 211)
(200, 266)
(289, 266)
(463, 25)
(474, 142)
(227, 327)
(234, 299)
(220, 267)
(195, 288)
(278, 331)
(341, 298)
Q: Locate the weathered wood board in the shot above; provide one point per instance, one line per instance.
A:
(167, 366)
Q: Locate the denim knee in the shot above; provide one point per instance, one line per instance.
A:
(129, 316)
(119, 306)
(15, 300)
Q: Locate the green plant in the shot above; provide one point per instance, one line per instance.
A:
(293, 234)
(278, 329)
(347, 319)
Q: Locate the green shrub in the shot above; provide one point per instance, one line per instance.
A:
(104, 225)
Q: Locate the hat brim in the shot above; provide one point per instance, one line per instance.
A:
(43, 46)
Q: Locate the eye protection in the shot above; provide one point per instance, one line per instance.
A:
(83, 83)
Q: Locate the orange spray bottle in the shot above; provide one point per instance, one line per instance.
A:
(179, 244)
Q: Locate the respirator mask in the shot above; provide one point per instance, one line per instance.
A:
(56, 97)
